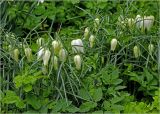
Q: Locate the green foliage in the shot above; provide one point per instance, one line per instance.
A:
(96, 94)
(27, 81)
(62, 106)
(147, 80)
(34, 101)
(87, 106)
(141, 107)
(108, 81)
(12, 98)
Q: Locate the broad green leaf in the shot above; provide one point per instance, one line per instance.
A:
(61, 105)
(117, 81)
(33, 101)
(129, 108)
(131, 74)
(97, 95)
(29, 79)
(111, 91)
(18, 80)
(72, 109)
(107, 105)
(27, 88)
(115, 74)
(116, 99)
(44, 109)
(117, 108)
(51, 105)
(56, 108)
(119, 87)
(87, 106)
(64, 104)
(39, 10)
(154, 82)
(20, 104)
(10, 97)
(84, 94)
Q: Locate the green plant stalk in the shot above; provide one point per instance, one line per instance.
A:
(70, 84)
(158, 3)
(159, 57)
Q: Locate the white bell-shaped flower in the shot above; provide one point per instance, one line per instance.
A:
(145, 22)
(113, 44)
(91, 40)
(86, 33)
(40, 42)
(63, 55)
(10, 48)
(40, 53)
(28, 53)
(16, 55)
(97, 21)
(55, 62)
(77, 61)
(136, 51)
(150, 48)
(40, 1)
(96, 24)
(56, 46)
(77, 46)
(46, 57)
(130, 22)
(139, 21)
(148, 22)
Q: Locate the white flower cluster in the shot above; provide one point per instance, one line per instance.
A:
(141, 22)
(145, 22)
(56, 50)
(60, 54)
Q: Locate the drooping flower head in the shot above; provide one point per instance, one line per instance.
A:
(113, 44)
(77, 46)
(46, 57)
(77, 61)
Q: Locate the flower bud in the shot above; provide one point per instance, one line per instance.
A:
(55, 63)
(77, 46)
(150, 48)
(40, 53)
(136, 51)
(113, 44)
(102, 60)
(9, 48)
(130, 22)
(16, 55)
(28, 53)
(96, 24)
(40, 41)
(77, 61)
(63, 55)
(86, 33)
(97, 21)
(46, 57)
(91, 40)
(56, 46)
